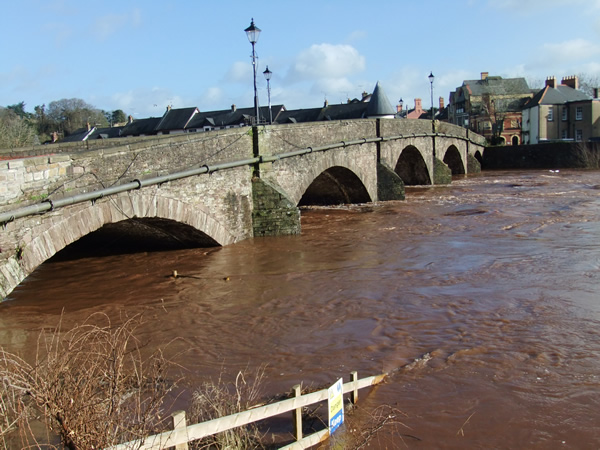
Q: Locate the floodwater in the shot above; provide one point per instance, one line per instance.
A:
(480, 298)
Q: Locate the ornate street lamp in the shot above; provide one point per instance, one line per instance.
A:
(268, 74)
(253, 32)
(431, 78)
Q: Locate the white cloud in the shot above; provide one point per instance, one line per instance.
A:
(141, 102)
(327, 61)
(239, 72)
(105, 26)
(357, 35)
(571, 51)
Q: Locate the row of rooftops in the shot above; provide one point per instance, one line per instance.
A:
(191, 119)
(516, 93)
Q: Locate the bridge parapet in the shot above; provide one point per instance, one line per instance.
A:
(29, 180)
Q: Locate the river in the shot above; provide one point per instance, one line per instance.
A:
(490, 284)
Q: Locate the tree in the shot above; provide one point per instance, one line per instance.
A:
(495, 110)
(69, 115)
(118, 116)
(15, 131)
(19, 109)
(587, 83)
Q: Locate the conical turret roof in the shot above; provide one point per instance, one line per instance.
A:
(379, 105)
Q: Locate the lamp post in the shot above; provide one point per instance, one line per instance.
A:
(267, 73)
(431, 78)
(253, 32)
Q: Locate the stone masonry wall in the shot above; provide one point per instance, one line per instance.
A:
(26, 181)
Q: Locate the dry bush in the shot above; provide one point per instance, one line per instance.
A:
(90, 385)
(588, 154)
(363, 429)
(216, 399)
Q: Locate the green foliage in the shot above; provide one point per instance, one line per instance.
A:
(70, 115)
(19, 110)
(15, 131)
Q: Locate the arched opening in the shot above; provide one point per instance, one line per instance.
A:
(478, 157)
(411, 167)
(336, 186)
(515, 140)
(136, 235)
(453, 160)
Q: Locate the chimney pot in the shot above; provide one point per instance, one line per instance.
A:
(572, 82)
(551, 82)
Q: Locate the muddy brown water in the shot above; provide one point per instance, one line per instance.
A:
(491, 282)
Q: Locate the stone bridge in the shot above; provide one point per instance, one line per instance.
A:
(213, 188)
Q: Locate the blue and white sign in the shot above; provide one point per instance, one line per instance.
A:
(336, 405)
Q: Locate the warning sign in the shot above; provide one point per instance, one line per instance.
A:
(336, 405)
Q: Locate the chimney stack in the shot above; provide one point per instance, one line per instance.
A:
(484, 75)
(89, 126)
(233, 108)
(596, 91)
(441, 103)
(168, 108)
(572, 82)
(551, 82)
(418, 106)
(130, 119)
(325, 103)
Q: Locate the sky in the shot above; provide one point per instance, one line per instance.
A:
(142, 55)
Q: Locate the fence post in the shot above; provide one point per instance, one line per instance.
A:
(297, 414)
(179, 422)
(354, 394)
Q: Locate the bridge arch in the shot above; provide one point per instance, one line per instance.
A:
(69, 224)
(336, 185)
(412, 168)
(454, 161)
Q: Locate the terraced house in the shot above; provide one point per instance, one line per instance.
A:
(491, 106)
(561, 113)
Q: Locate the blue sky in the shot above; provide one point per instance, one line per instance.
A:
(142, 55)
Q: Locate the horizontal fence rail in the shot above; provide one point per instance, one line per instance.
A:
(50, 205)
(182, 433)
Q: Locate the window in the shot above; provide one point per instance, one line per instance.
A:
(579, 135)
(550, 114)
(565, 113)
(579, 113)
(564, 134)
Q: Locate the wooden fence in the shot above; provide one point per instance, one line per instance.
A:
(183, 433)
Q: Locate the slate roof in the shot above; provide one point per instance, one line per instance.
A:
(229, 117)
(105, 133)
(299, 115)
(497, 86)
(557, 96)
(141, 127)
(78, 135)
(176, 119)
(379, 104)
